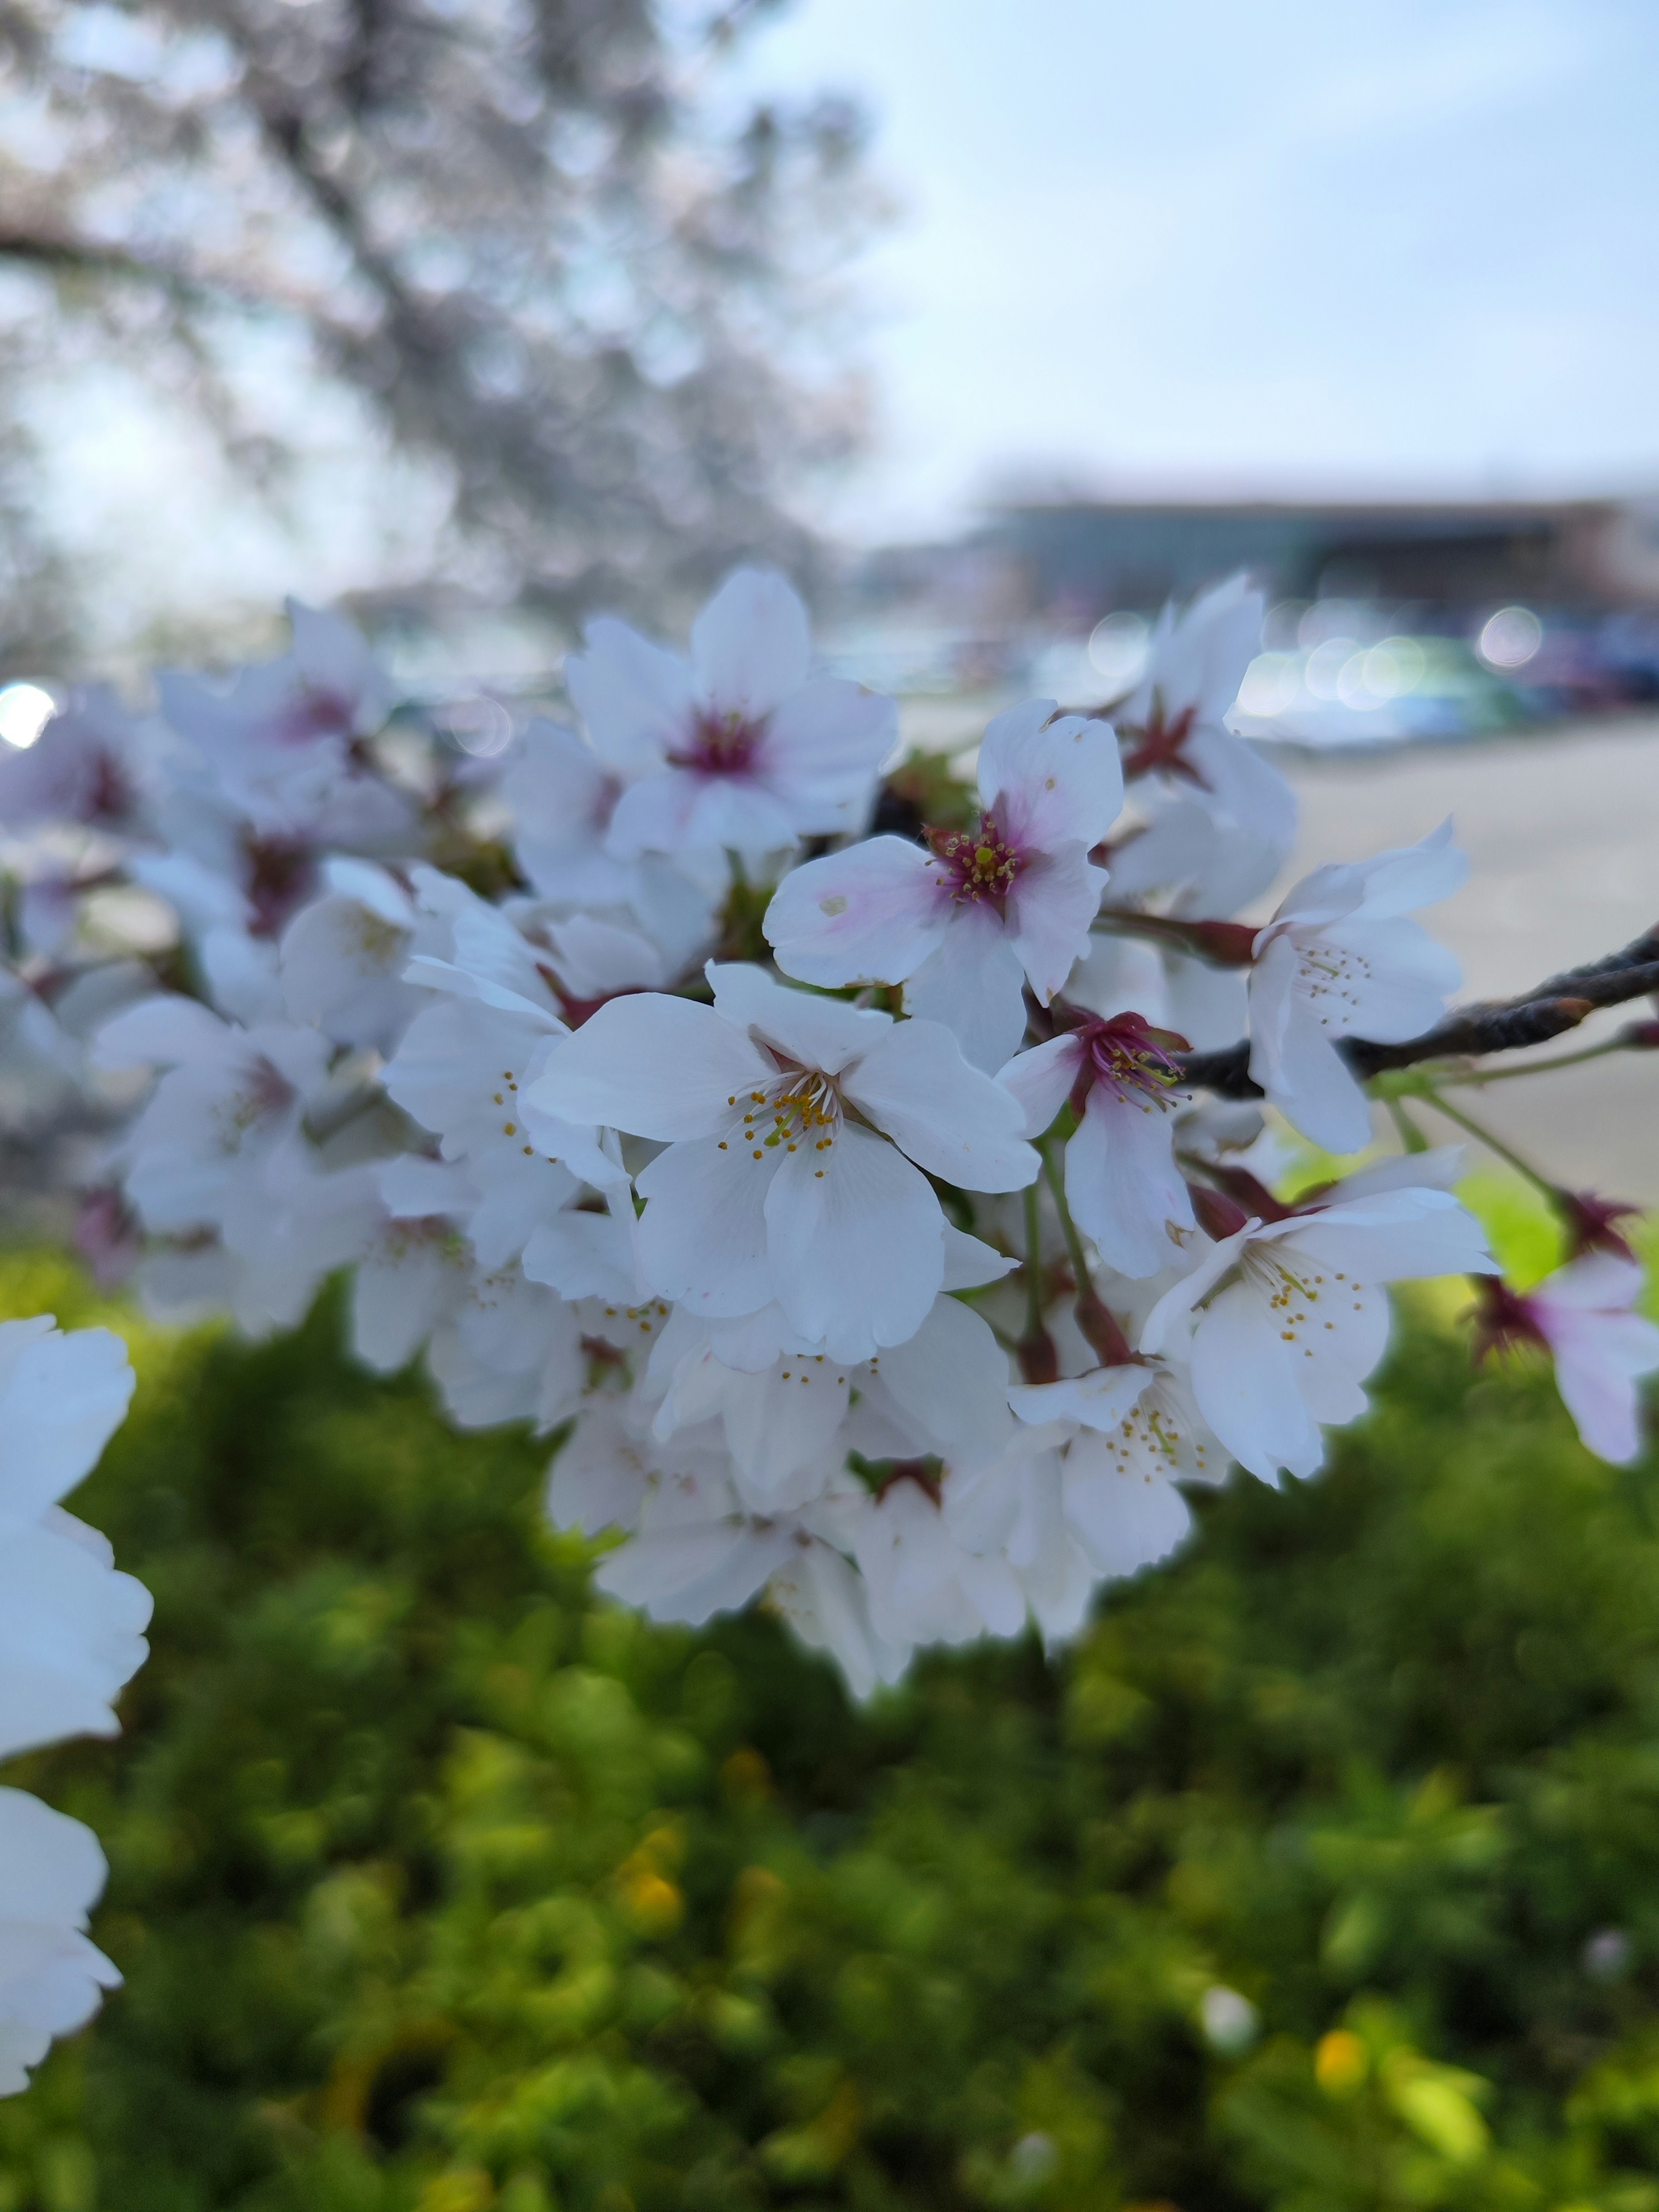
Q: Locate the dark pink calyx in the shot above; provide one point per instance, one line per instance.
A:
(1159, 747)
(1503, 1319)
(980, 865)
(1592, 1223)
(719, 745)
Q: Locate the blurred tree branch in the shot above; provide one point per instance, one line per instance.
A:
(546, 249)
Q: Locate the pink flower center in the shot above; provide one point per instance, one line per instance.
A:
(1129, 1056)
(316, 713)
(721, 744)
(1159, 749)
(979, 863)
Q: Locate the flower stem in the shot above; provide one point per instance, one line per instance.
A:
(1484, 1075)
(1038, 1360)
(1410, 1135)
(1492, 1143)
(1098, 1323)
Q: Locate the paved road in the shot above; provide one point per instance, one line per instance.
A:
(1563, 833)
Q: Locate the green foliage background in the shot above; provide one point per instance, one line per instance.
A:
(440, 1887)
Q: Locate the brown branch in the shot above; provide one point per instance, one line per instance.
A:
(1508, 1025)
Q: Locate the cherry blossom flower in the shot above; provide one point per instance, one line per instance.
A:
(85, 767)
(1174, 720)
(280, 751)
(72, 1628)
(965, 921)
(53, 1976)
(1339, 958)
(1583, 1315)
(1128, 1435)
(743, 750)
(954, 1550)
(341, 957)
(769, 1189)
(1286, 1319)
(1122, 1183)
(465, 1069)
(71, 1632)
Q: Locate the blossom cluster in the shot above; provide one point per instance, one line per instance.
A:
(71, 1632)
(843, 1199)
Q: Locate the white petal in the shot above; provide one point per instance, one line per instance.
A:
(975, 986)
(871, 914)
(952, 1378)
(970, 1264)
(1598, 1356)
(1313, 1086)
(702, 1237)
(1099, 1400)
(951, 1119)
(827, 740)
(1055, 896)
(1242, 1381)
(585, 1255)
(1122, 1183)
(1051, 786)
(856, 1252)
(654, 1066)
(813, 1032)
(1124, 1520)
(751, 645)
(637, 700)
(1041, 1081)
(62, 1397)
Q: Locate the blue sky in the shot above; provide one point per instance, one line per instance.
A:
(1296, 244)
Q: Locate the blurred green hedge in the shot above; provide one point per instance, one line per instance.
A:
(1324, 1874)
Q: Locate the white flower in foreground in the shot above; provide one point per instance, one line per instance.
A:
(71, 1632)
(1582, 1316)
(1122, 1184)
(51, 1977)
(72, 1628)
(1175, 720)
(964, 921)
(1287, 1318)
(770, 1188)
(1339, 957)
(742, 750)
(1131, 1433)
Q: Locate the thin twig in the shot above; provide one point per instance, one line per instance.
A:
(1509, 1026)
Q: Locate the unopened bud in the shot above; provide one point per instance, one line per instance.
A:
(1039, 1362)
(1101, 1330)
(1219, 1216)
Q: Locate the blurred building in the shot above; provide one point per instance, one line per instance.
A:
(1078, 558)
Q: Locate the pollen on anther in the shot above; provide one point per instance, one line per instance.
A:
(722, 1144)
(509, 1128)
(757, 1156)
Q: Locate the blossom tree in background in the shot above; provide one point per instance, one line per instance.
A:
(542, 275)
(884, 1223)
